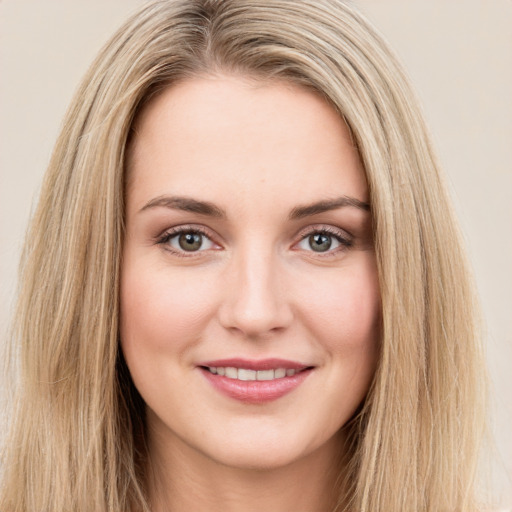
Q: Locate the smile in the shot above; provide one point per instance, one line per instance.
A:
(249, 375)
(255, 382)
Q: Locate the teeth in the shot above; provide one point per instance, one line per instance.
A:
(231, 373)
(246, 374)
(250, 375)
(265, 374)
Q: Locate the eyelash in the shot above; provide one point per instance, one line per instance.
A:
(343, 238)
(168, 235)
(340, 236)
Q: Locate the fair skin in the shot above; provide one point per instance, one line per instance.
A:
(254, 276)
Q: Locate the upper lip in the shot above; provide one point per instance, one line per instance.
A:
(260, 364)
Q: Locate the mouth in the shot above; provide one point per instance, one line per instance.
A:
(246, 374)
(255, 382)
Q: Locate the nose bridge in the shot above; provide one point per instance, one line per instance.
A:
(255, 301)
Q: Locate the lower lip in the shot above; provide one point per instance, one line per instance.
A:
(255, 391)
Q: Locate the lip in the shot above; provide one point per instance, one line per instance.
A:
(253, 364)
(256, 392)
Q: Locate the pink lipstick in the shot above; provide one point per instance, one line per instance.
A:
(253, 381)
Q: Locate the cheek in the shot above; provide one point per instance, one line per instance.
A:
(162, 309)
(343, 309)
(342, 313)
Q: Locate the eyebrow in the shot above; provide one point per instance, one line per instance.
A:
(188, 204)
(300, 212)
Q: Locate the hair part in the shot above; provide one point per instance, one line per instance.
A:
(77, 436)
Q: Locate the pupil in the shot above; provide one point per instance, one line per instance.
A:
(320, 242)
(190, 241)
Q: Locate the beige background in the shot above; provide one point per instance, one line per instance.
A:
(459, 56)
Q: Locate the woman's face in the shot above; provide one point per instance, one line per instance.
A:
(249, 301)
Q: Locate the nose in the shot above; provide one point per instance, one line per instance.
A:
(255, 302)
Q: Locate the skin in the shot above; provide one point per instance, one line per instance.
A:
(255, 289)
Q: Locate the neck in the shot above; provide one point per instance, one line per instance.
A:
(182, 479)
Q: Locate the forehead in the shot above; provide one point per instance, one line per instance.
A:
(243, 138)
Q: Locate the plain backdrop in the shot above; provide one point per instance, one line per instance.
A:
(459, 56)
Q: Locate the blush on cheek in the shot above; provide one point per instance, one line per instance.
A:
(162, 311)
(346, 310)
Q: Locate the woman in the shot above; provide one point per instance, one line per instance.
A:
(243, 286)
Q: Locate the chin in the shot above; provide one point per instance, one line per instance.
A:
(268, 452)
(257, 459)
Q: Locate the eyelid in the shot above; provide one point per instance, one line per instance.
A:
(325, 228)
(343, 237)
(170, 233)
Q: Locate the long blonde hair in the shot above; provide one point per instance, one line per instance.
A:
(77, 436)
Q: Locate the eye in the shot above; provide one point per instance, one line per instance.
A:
(324, 241)
(187, 240)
